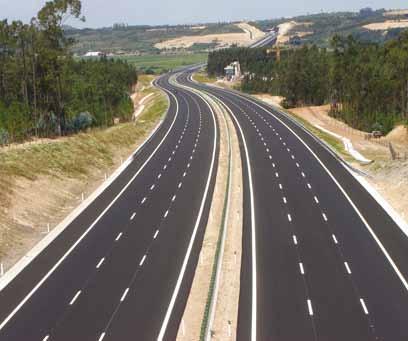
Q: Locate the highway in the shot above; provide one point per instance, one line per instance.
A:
(321, 259)
(122, 270)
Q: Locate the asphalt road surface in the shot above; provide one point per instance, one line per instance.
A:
(122, 270)
(321, 259)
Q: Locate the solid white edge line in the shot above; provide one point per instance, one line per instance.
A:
(51, 271)
(253, 232)
(193, 236)
(366, 224)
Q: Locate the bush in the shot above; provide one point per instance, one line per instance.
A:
(82, 121)
(4, 137)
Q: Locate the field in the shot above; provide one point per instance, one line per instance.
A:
(162, 63)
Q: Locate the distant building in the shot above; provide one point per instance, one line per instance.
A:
(94, 54)
(233, 71)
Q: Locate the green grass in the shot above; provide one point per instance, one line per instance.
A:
(202, 77)
(163, 63)
(329, 139)
(77, 156)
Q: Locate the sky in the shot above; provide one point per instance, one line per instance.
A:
(102, 13)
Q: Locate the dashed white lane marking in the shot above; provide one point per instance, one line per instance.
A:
(309, 186)
(46, 338)
(289, 217)
(165, 214)
(188, 165)
(309, 306)
(75, 297)
(102, 336)
(294, 239)
(303, 175)
(180, 184)
(284, 200)
(173, 152)
(164, 167)
(288, 149)
(191, 157)
(280, 186)
(302, 269)
(143, 260)
(184, 174)
(133, 215)
(277, 174)
(270, 157)
(293, 157)
(118, 237)
(316, 200)
(324, 216)
(364, 306)
(273, 165)
(174, 198)
(100, 263)
(347, 268)
(267, 150)
(155, 234)
(335, 239)
(169, 158)
(297, 165)
(124, 295)
(152, 187)
(159, 176)
(143, 200)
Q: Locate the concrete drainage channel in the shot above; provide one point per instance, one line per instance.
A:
(218, 269)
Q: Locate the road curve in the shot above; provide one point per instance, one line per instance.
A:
(321, 260)
(122, 270)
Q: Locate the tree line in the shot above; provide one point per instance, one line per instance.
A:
(45, 91)
(365, 83)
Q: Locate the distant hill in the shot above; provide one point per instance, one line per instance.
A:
(367, 24)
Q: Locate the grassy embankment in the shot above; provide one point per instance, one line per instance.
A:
(163, 63)
(80, 158)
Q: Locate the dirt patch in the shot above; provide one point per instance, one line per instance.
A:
(273, 100)
(222, 40)
(394, 13)
(386, 25)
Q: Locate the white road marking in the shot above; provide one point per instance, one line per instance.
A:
(118, 237)
(188, 165)
(284, 200)
(194, 233)
(309, 186)
(159, 176)
(335, 239)
(152, 187)
(174, 152)
(155, 234)
(165, 214)
(184, 174)
(169, 158)
(133, 215)
(143, 260)
(273, 165)
(295, 240)
(280, 186)
(270, 157)
(302, 270)
(289, 217)
(293, 157)
(75, 297)
(324, 216)
(180, 184)
(46, 338)
(124, 295)
(143, 200)
(277, 174)
(102, 336)
(309, 306)
(164, 167)
(316, 200)
(303, 175)
(297, 165)
(347, 268)
(174, 198)
(267, 150)
(364, 306)
(100, 263)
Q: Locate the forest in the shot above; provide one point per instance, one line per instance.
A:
(365, 83)
(45, 91)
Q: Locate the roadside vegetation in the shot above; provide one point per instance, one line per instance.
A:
(157, 64)
(365, 83)
(44, 92)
